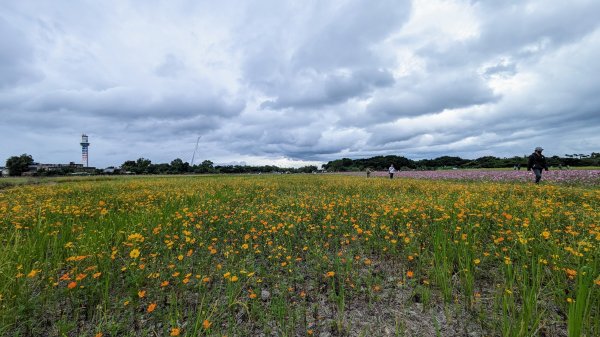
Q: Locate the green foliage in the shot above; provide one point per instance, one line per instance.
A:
(18, 164)
(448, 162)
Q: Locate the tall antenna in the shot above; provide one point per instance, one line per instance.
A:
(196, 149)
(84, 149)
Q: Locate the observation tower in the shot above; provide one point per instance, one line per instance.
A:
(84, 149)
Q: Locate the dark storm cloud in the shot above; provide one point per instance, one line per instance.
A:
(313, 89)
(331, 61)
(349, 33)
(434, 94)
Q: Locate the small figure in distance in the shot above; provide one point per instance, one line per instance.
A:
(368, 172)
(537, 162)
(392, 170)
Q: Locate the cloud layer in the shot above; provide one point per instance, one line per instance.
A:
(288, 83)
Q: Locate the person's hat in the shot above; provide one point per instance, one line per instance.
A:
(539, 149)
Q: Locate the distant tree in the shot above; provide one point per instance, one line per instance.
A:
(206, 166)
(17, 165)
(178, 166)
(128, 166)
(307, 169)
(142, 165)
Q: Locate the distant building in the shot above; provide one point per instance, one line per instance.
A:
(111, 170)
(73, 167)
(3, 171)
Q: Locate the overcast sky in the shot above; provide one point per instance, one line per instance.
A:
(292, 83)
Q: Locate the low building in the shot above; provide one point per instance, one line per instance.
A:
(3, 171)
(59, 168)
(111, 170)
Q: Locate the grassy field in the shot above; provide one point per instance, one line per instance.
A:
(298, 255)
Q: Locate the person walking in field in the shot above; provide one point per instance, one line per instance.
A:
(392, 170)
(368, 172)
(537, 162)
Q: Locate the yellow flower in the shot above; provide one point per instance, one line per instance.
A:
(545, 234)
(134, 253)
(330, 274)
(477, 261)
(234, 278)
(175, 331)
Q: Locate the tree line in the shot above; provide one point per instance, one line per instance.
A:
(448, 162)
(17, 165)
(178, 166)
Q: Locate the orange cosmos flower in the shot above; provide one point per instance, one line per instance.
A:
(151, 307)
(72, 285)
(410, 274)
(33, 272)
(142, 293)
(175, 331)
(206, 324)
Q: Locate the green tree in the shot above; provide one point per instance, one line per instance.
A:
(206, 166)
(178, 166)
(17, 165)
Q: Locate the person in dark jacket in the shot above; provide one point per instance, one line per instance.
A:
(537, 162)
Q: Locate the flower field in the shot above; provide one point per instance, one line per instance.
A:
(299, 255)
(565, 177)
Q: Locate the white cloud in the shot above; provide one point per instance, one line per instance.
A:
(288, 82)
